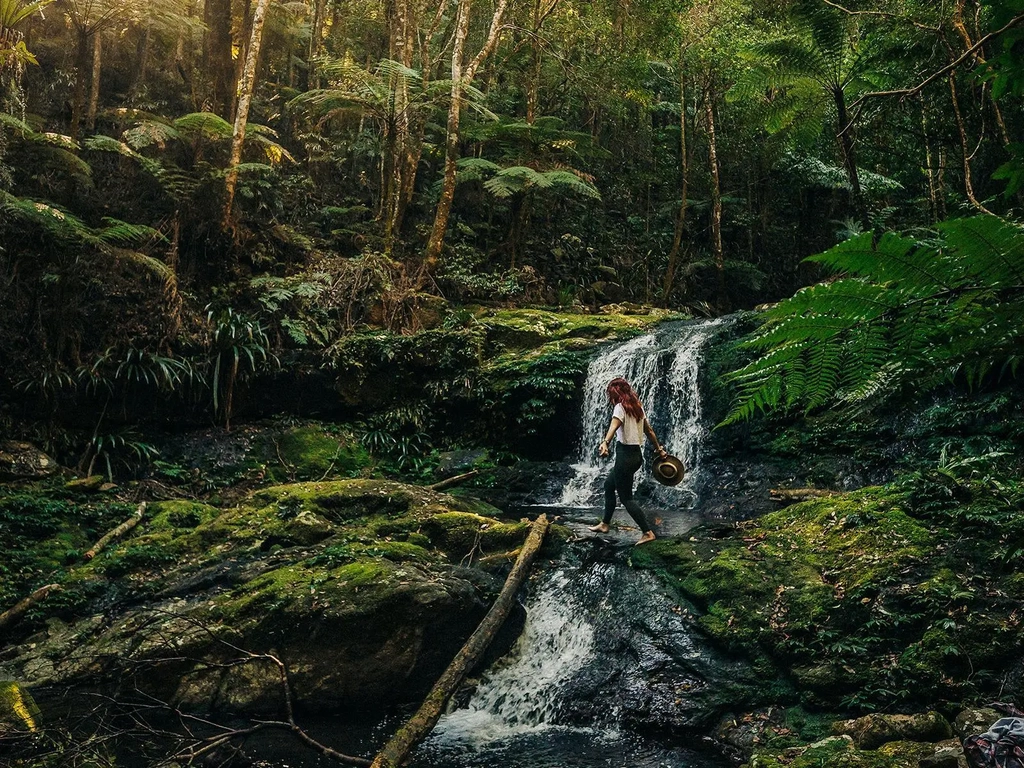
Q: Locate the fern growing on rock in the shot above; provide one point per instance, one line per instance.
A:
(904, 311)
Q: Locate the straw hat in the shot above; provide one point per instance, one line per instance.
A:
(668, 470)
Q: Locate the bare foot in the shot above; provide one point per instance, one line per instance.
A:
(599, 528)
(649, 536)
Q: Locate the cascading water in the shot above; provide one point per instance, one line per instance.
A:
(604, 645)
(665, 376)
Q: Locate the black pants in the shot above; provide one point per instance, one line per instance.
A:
(627, 461)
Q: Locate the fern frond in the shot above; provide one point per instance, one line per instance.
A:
(920, 311)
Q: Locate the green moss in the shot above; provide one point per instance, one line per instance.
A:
(836, 753)
(179, 514)
(311, 452)
(528, 328)
(861, 603)
(18, 711)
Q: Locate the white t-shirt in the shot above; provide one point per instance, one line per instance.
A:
(631, 431)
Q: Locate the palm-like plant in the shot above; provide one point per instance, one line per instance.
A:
(807, 79)
(387, 95)
(907, 310)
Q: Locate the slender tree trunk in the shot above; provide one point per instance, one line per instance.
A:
(846, 148)
(460, 78)
(451, 157)
(94, 89)
(929, 163)
(533, 84)
(218, 64)
(83, 63)
(142, 57)
(716, 198)
(316, 32)
(245, 91)
(239, 62)
(964, 149)
(684, 169)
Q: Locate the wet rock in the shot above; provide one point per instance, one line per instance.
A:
(874, 730)
(453, 463)
(23, 461)
(945, 754)
(743, 733)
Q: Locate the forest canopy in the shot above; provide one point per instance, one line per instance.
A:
(198, 192)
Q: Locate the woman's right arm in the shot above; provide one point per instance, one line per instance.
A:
(602, 449)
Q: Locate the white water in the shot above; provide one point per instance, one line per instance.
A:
(666, 379)
(522, 694)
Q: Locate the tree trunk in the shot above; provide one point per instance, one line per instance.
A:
(142, 56)
(316, 32)
(400, 51)
(846, 148)
(243, 49)
(460, 78)
(716, 199)
(218, 64)
(397, 750)
(245, 91)
(451, 156)
(684, 168)
(929, 163)
(965, 151)
(83, 62)
(94, 89)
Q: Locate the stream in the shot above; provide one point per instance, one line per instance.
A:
(606, 655)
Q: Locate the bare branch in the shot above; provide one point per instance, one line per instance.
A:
(904, 92)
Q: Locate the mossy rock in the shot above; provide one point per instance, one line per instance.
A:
(839, 752)
(18, 711)
(874, 730)
(368, 603)
(312, 452)
(529, 328)
(855, 600)
(179, 515)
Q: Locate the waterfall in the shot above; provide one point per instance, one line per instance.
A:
(524, 692)
(666, 377)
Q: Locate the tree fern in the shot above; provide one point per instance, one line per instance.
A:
(908, 311)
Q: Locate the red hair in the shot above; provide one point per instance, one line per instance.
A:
(620, 392)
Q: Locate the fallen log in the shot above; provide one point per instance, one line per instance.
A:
(396, 751)
(117, 533)
(448, 482)
(12, 615)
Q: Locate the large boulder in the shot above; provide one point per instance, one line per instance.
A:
(23, 461)
(359, 588)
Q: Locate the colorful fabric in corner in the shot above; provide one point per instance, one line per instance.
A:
(1002, 746)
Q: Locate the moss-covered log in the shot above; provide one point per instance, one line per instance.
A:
(396, 751)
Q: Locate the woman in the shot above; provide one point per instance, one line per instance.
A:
(628, 426)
